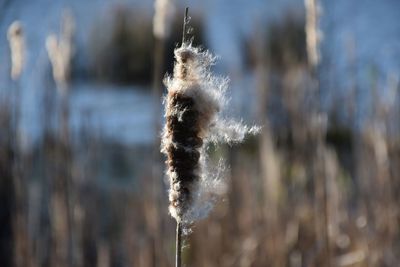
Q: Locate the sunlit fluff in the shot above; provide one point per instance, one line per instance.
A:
(193, 104)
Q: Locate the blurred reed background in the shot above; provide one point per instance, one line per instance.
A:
(81, 176)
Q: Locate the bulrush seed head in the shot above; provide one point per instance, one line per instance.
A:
(15, 37)
(164, 11)
(193, 102)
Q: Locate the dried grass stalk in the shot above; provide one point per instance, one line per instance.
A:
(193, 104)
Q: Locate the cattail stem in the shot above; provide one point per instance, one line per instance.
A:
(178, 253)
(185, 22)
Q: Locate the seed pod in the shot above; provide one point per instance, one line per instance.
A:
(187, 121)
(192, 106)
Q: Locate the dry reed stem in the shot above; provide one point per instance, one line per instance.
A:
(60, 51)
(178, 252)
(313, 40)
(194, 120)
(178, 249)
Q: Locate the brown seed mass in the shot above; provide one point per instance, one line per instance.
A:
(183, 152)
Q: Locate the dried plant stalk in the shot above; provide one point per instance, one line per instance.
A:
(21, 248)
(178, 254)
(193, 119)
(60, 51)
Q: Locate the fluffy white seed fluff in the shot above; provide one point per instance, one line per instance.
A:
(192, 78)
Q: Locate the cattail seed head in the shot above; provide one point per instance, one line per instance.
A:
(61, 50)
(193, 102)
(163, 16)
(313, 32)
(15, 37)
